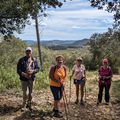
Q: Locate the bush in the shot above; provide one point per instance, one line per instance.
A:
(9, 79)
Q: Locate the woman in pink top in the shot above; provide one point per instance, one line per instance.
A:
(79, 77)
(105, 75)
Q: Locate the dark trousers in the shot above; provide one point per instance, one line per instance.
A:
(103, 86)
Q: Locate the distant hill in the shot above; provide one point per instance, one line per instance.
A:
(60, 44)
(30, 42)
(81, 42)
(57, 42)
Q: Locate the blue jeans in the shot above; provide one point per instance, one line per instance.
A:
(57, 92)
(79, 82)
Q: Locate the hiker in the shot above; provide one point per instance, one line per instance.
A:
(27, 67)
(57, 77)
(105, 75)
(79, 77)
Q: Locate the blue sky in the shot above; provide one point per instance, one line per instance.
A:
(75, 20)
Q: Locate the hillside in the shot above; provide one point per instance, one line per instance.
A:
(60, 44)
(81, 42)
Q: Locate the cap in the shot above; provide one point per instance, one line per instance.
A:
(29, 48)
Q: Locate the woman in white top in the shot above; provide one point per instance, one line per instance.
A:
(79, 77)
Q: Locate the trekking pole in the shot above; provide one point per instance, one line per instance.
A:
(85, 93)
(97, 79)
(66, 101)
(65, 104)
(70, 89)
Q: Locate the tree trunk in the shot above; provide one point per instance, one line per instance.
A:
(38, 40)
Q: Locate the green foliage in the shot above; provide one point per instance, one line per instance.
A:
(42, 80)
(116, 89)
(14, 14)
(8, 78)
(105, 45)
(110, 6)
(13, 49)
(10, 51)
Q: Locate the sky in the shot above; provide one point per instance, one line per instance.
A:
(75, 20)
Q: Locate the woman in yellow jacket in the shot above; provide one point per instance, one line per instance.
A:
(57, 77)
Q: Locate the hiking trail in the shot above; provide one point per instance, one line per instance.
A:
(10, 103)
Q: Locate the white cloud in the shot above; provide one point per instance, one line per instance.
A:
(76, 17)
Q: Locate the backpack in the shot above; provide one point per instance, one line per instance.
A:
(55, 67)
(51, 74)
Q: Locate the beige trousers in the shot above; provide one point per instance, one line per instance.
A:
(27, 87)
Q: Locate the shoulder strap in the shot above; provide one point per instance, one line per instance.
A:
(65, 69)
(109, 69)
(55, 66)
(34, 59)
(52, 71)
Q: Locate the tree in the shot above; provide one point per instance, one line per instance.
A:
(10, 51)
(111, 6)
(105, 45)
(14, 14)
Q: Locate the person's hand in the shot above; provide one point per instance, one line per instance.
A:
(103, 82)
(108, 77)
(85, 79)
(100, 77)
(25, 75)
(58, 81)
(104, 77)
(30, 72)
(62, 81)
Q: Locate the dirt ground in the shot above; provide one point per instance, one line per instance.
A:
(10, 104)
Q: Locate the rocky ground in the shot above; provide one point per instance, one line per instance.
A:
(10, 104)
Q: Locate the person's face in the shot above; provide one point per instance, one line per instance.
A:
(79, 62)
(105, 64)
(59, 61)
(28, 53)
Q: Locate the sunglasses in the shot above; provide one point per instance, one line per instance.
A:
(28, 50)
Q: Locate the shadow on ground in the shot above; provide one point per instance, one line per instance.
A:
(5, 109)
(34, 115)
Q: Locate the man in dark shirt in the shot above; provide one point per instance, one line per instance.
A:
(27, 67)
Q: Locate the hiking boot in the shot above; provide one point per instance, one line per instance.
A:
(29, 106)
(98, 103)
(107, 103)
(56, 110)
(77, 101)
(58, 114)
(82, 102)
